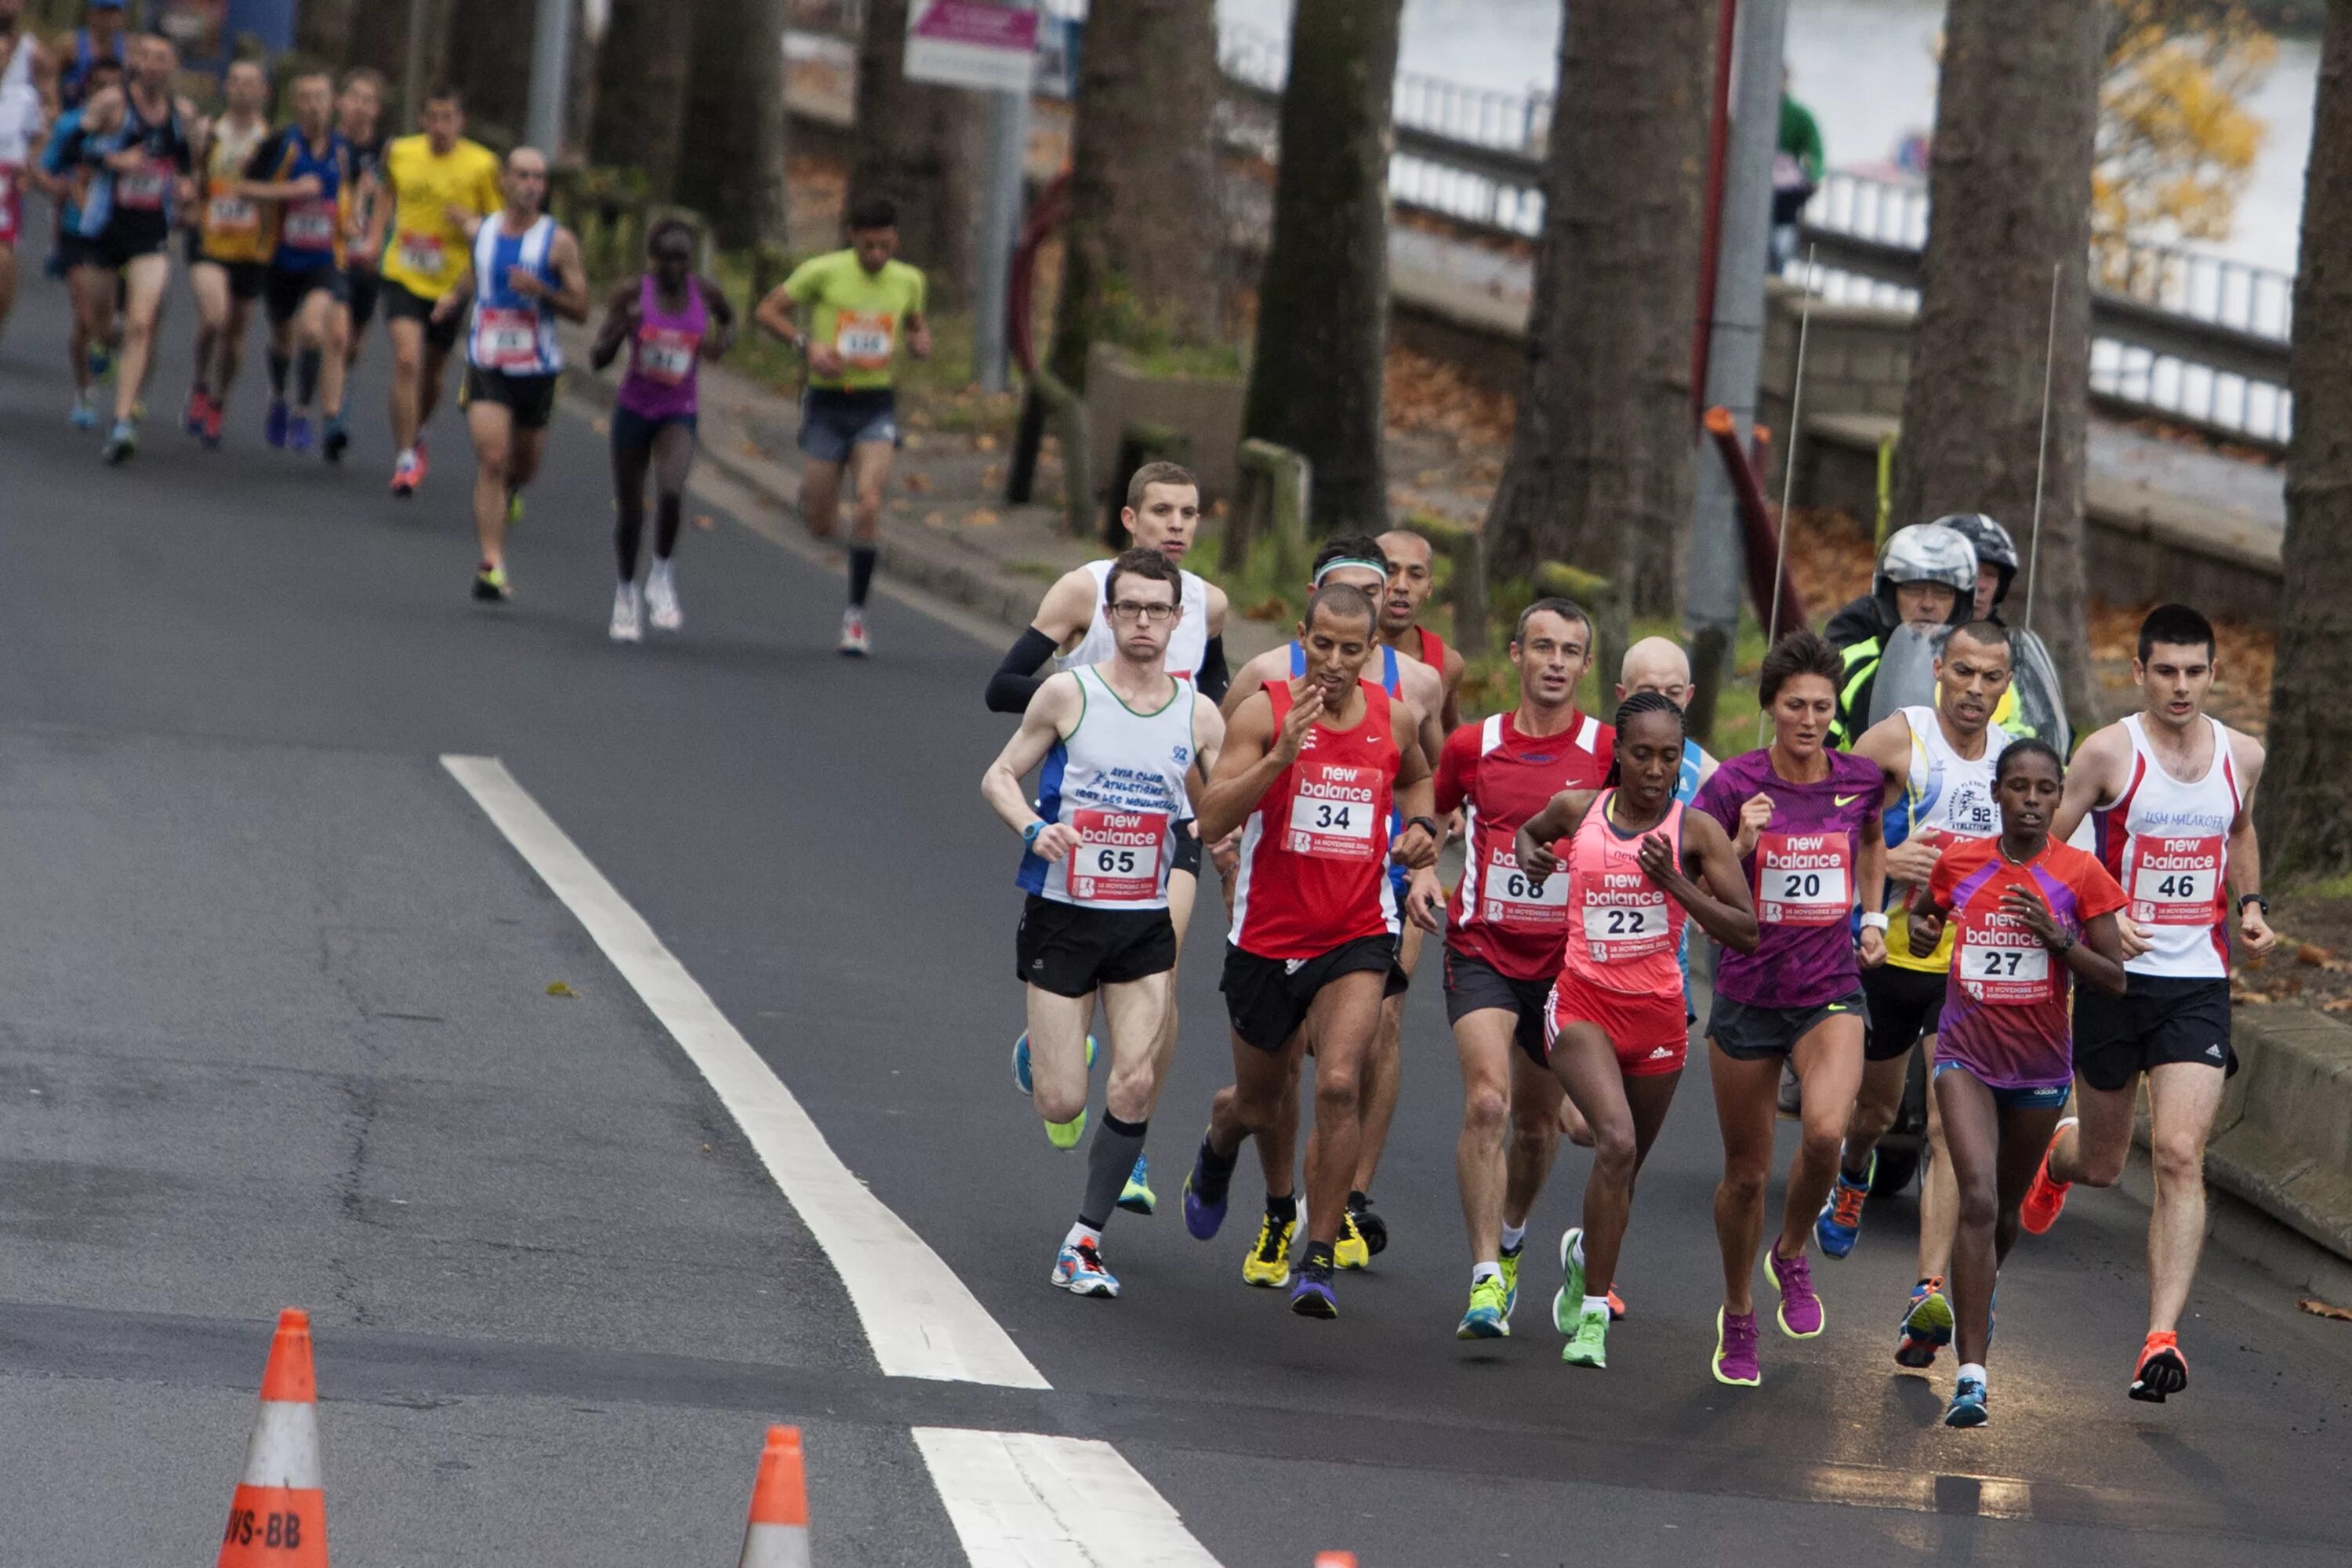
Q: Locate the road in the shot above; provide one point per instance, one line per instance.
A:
(277, 1027)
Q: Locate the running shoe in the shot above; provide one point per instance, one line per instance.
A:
(101, 362)
(1616, 1306)
(1567, 1307)
(1926, 1324)
(120, 442)
(628, 615)
(1840, 1225)
(1268, 1263)
(337, 439)
(274, 424)
(406, 473)
(298, 434)
(215, 417)
(1968, 1405)
(2046, 1198)
(1205, 1199)
(490, 585)
(84, 416)
(1509, 1263)
(1352, 1250)
(1020, 1060)
(1137, 1196)
(1064, 1135)
(1736, 1361)
(2162, 1371)
(1312, 1296)
(853, 643)
(192, 415)
(1370, 1226)
(1801, 1312)
(514, 508)
(1080, 1270)
(1589, 1346)
(661, 598)
(1489, 1316)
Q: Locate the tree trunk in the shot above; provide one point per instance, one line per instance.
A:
(2303, 805)
(490, 60)
(735, 121)
(1323, 300)
(1143, 255)
(323, 30)
(2010, 180)
(379, 38)
(580, 80)
(925, 147)
(641, 85)
(1601, 464)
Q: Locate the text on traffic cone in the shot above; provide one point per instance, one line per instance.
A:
(777, 1535)
(279, 1517)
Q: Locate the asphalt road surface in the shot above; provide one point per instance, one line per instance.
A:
(276, 1027)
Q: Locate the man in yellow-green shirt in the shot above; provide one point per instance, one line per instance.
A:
(856, 308)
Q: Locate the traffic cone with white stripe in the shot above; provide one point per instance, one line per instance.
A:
(777, 1536)
(279, 1517)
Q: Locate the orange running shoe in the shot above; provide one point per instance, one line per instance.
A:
(1616, 1306)
(2046, 1198)
(2162, 1371)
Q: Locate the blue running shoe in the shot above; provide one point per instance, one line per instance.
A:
(1926, 1325)
(1841, 1219)
(1968, 1407)
(1020, 1060)
(273, 424)
(85, 411)
(298, 433)
(1310, 1292)
(1137, 1197)
(1204, 1215)
(1080, 1270)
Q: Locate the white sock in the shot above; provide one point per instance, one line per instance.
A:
(1596, 1304)
(1083, 1232)
(407, 456)
(1485, 1271)
(1515, 1236)
(1975, 1370)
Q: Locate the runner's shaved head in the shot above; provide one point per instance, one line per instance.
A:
(1656, 664)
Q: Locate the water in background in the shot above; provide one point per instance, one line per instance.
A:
(1866, 67)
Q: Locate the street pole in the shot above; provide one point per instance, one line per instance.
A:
(1000, 222)
(411, 68)
(550, 71)
(1718, 559)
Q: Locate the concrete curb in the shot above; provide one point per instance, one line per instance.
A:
(2281, 1143)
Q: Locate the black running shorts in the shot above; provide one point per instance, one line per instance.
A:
(1474, 985)
(1904, 1005)
(1268, 998)
(1071, 951)
(2159, 1020)
(530, 398)
(401, 303)
(1750, 1034)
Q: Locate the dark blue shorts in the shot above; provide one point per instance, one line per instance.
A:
(633, 430)
(833, 423)
(2047, 1098)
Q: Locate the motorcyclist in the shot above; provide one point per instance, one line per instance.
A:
(1926, 576)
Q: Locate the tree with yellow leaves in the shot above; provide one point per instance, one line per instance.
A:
(2176, 144)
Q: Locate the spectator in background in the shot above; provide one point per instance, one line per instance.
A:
(1796, 172)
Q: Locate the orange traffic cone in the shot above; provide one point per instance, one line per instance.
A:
(279, 1517)
(1335, 1559)
(777, 1536)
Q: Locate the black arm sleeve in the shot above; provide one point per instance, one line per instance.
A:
(1215, 679)
(1016, 679)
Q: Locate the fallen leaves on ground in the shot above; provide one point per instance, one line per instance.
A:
(1266, 610)
(984, 443)
(601, 425)
(2319, 1308)
(919, 483)
(557, 988)
(2312, 953)
(981, 518)
(1429, 396)
(703, 521)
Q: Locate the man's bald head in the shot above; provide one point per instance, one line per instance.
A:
(1656, 664)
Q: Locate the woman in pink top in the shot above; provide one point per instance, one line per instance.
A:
(672, 320)
(1638, 865)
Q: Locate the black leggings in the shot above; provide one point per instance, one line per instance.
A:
(669, 455)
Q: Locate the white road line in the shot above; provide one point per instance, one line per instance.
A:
(919, 1318)
(1021, 1501)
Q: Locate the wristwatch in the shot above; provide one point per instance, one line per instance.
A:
(1429, 826)
(1871, 919)
(2245, 898)
(1029, 834)
(2067, 941)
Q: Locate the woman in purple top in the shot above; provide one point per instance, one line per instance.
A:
(672, 320)
(1804, 821)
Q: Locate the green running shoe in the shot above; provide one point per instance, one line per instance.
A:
(1137, 1196)
(1567, 1307)
(1590, 1347)
(1509, 1262)
(1489, 1316)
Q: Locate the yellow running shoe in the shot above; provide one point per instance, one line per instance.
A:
(1352, 1251)
(1268, 1263)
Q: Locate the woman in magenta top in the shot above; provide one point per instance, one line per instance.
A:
(1803, 819)
(671, 320)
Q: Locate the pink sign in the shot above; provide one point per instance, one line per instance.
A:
(979, 24)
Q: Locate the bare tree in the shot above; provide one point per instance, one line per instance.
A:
(2305, 804)
(2010, 181)
(922, 145)
(1323, 299)
(1144, 234)
(1601, 470)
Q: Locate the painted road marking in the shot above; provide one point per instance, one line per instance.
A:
(1018, 1500)
(919, 1318)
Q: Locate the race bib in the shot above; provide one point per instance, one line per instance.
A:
(1117, 857)
(1617, 932)
(865, 339)
(142, 192)
(1335, 813)
(2002, 975)
(2173, 881)
(1803, 879)
(419, 253)
(1509, 897)
(666, 356)
(230, 217)
(311, 225)
(507, 339)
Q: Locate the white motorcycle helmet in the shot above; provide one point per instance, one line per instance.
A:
(1925, 552)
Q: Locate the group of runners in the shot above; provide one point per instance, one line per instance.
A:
(327, 223)
(1913, 889)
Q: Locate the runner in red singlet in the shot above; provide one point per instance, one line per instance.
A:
(1616, 1035)
(1310, 770)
